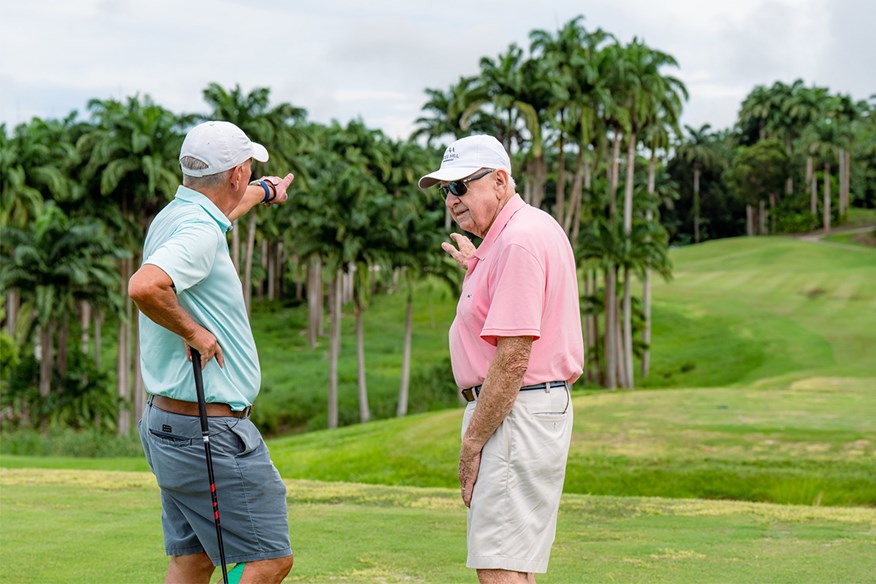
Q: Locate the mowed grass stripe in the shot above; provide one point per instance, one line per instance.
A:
(367, 533)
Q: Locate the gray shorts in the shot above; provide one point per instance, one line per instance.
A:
(251, 494)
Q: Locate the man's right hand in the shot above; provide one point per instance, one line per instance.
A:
(465, 249)
(207, 345)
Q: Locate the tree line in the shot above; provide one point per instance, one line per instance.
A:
(592, 125)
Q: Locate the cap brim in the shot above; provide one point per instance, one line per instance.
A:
(446, 174)
(259, 152)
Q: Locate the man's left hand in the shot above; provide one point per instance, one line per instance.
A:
(469, 465)
(280, 185)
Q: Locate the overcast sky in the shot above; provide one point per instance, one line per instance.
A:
(340, 59)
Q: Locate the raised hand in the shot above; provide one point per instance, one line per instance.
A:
(462, 252)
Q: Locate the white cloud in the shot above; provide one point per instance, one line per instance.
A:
(341, 59)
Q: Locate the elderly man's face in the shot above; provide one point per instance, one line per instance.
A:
(476, 210)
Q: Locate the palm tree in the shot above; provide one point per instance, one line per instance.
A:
(700, 150)
(54, 262)
(824, 138)
(131, 154)
(34, 165)
(274, 126)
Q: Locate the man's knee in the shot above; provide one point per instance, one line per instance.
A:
(267, 570)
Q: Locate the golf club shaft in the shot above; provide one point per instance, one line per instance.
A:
(205, 432)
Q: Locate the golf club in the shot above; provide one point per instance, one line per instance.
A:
(205, 432)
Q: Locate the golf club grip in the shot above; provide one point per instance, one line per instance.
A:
(199, 389)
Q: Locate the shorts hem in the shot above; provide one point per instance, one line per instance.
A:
(525, 565)
(255, 557)
(187, 551)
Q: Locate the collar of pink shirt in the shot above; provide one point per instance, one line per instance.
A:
(513, 205)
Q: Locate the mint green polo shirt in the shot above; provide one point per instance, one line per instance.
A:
(187, 241)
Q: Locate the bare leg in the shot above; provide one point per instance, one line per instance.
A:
(266, 571)
(190, 569)
(504, 577)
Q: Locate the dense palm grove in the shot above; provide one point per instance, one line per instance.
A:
(593, 128)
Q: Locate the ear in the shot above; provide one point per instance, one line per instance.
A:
(236, 175)
(501, 181)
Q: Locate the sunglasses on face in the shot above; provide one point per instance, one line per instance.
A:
(458, 187)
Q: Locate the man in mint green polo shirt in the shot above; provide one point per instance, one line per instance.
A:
(189, 295)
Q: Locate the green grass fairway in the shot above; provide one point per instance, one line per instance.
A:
(814, 443)
(105, 528)
(764, 312)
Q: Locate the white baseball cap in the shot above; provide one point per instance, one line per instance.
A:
(219, 145)
(467, 156)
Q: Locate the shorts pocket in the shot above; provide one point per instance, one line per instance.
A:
(169, 439)
(248, 438)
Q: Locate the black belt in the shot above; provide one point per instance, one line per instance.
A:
(471, 393)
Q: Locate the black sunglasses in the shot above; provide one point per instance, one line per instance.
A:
(459, 188)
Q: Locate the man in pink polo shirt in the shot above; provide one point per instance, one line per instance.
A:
(515, 348)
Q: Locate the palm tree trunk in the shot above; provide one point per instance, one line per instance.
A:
(615, 179)
(696, 205)
(247, 269)
(841, 176)
(12, 304)
(789, 182)
(628, 329)
(646, 292)
(561, 181)
(84, 326)
(628, 190)
(749, 220)
(588, 183)
(847, 182)
(235, 246)
(404, 387)
(314, 300)
(47, 334)
(264, 288)
(619, 347)
(762, 217)
(98, 329)
(807, 182)
(826, 205)
(139, 388)
(813, 193)
(63, 340)
(123, 359)
(575, 195)
(334, 347)
(364, 412)
(586, 335)
(598, 361)
(610, 349)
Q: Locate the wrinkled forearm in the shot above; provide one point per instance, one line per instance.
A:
(499, 391)
(152, 292)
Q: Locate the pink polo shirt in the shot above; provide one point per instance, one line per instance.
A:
(521, 281)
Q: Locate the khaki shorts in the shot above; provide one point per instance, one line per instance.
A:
(512, 520)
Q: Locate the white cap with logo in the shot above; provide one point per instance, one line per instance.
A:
(219, 145)
(467, 156)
